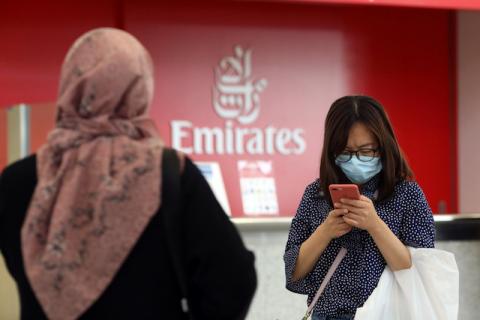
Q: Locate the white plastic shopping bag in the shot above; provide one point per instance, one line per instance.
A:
(428, 290)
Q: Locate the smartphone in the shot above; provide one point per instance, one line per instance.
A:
(346, 191)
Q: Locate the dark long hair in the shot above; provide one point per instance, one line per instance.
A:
(343, 114)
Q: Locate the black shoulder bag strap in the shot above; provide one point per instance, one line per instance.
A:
(172, 216)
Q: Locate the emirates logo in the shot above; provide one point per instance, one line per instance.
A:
(236, 94)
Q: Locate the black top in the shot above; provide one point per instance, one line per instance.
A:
(219, 270)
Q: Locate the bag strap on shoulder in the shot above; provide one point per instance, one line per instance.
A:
(172, 216)
(341, 254)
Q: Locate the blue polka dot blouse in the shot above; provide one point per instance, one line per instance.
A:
(407, 214)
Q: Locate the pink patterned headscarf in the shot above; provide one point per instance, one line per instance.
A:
(99, 174)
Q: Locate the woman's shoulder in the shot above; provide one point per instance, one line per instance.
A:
(192, 179)
(408, 185)
(17, 184)
(313, 189)
(20, 171)
(409, 189)
(188, 168)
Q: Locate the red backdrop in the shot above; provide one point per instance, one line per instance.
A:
(309, 55)
(452, 4)
(35, 36)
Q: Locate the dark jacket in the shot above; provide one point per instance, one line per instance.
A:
(220, 271)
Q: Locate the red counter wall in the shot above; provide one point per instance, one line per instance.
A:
(401, 56)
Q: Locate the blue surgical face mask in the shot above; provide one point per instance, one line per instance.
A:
(358, 171)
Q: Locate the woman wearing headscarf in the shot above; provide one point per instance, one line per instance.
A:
(81, 225)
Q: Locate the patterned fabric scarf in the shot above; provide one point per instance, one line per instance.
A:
(99, 174)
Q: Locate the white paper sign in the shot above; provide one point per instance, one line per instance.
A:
(257, 185)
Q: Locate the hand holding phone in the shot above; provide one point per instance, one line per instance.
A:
(364, 215)
(335, 225)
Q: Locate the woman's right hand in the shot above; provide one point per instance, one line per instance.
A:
(310, 251)
(334, 226)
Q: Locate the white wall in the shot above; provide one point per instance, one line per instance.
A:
(9, 306)
(272, 300)
(469, 111)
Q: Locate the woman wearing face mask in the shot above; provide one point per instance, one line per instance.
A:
(359, 147)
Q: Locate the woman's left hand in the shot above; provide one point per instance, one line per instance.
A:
(361, 213)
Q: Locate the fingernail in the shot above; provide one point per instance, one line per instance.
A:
(336, 204)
